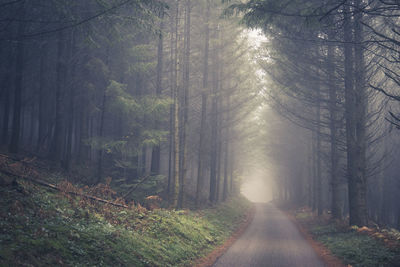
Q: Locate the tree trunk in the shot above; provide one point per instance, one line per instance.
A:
(58, 127)
(232, 184)
(185, 107)
(314, 166)
(71, 100)
(218, 163)
(310, 176)
(213, 158)
(171, 146)
(101, 128)
(214, 127)
(398, 217)
(176, 150)
(7, 87)
(42, 96)
(32, 124)
(359, 183)
(204, 96)
(337, 192)
(318, 148)
(356, 107)
(225, 190)
(6, 113)
(155, 155)
(16, 122)
(176, 113)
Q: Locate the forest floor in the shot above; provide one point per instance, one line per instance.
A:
(40, 226)
(341, 245)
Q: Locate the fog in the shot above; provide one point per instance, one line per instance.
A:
(201, 105)
(257, 189)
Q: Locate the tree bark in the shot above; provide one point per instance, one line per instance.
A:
(17, 107)
(314, 169)
(337, 192)
(7, 87)
(185, 107)
(225, 190)
(214, 127)
(204, 96)
(358, 183)
(57, 141)
(176, 113)
(71, 100)
(42, 96)
(155, 155)
(356, 105)
(101, 128)
(171, 145)
(319, 152)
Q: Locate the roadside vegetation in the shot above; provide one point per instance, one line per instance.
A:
(354, 246)
(43, 227)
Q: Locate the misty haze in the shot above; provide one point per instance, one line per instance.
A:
(219, 133)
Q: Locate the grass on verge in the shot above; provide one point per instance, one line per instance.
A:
(43, 228)
(351, 246)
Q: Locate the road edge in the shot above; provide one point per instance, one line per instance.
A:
(214, 255)
(322, 252)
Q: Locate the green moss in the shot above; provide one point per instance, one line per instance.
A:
(302, 215)
(354, 248)
(48, 229)
(324, 229)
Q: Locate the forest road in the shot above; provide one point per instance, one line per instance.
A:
(270, 240)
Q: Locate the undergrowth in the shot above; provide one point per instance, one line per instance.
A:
(42, 228)
(353, 246)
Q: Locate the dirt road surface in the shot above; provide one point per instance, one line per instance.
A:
(270, 240)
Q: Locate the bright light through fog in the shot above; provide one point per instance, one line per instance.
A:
(256, 37)
(256, 190)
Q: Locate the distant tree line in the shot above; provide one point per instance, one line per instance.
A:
(333, 70)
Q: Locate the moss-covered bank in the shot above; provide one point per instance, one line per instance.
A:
(361, 247)
(42, 228)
